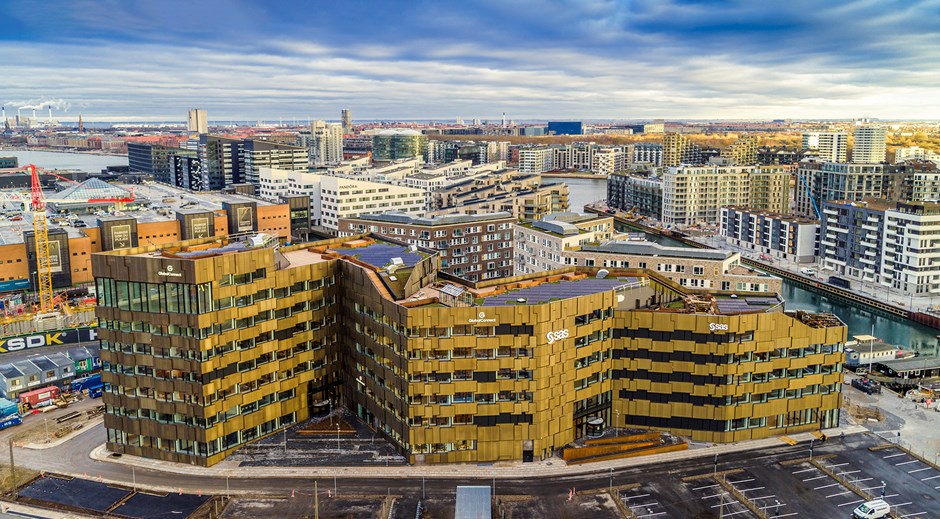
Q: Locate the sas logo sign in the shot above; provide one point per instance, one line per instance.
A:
(556, 336)
(718, 327)
(481, 319)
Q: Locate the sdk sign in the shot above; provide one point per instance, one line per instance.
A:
(38, 340)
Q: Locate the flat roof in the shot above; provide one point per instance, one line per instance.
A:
(447, 219)
(747, 304)
(563, 289)
(161, 198)
(381, 254)
(648, 248)
(912, 363)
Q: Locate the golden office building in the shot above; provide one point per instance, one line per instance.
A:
(210, 344)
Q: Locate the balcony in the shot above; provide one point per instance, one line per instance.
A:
(869, 227)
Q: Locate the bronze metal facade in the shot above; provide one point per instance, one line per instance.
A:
(242, 344)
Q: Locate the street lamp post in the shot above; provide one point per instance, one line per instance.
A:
(811, 448)
(337, 436)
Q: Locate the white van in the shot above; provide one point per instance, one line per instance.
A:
(872, 510)
(808, 271)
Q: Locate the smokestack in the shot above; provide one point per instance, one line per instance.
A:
(50, 115)
(34, 114)
(81, 125)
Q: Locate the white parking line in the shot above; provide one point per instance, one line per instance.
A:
(639, 495)
(905, 463)
(863, 479)
(931, 477)
(895, 455)
(839, 494)
(739, 512)
(849, 472)
(919, 470)
(651, 515)
(817, 477)
(749, 489)
(787, 515)
(715, 495)
(853, 502)
(838, 465)
(805, 470)
(913, 515)
(742, 481)
(771, 496)
(827, 486)
(902, 504)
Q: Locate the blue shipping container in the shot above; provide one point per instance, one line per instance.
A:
(10, 421)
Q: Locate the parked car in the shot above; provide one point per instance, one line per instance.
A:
(872, 510)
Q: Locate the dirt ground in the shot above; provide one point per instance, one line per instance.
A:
(581, 506)
(302, 506)
(34, 428)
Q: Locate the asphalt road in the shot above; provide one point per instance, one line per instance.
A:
(759, 473)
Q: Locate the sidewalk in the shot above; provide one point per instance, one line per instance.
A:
(553, 467)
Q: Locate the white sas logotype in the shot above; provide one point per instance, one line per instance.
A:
(556, 336)
(717, 327)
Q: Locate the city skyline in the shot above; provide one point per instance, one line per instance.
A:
(425, 60)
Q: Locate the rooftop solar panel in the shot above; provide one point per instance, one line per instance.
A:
(547, 292)
(381, 254)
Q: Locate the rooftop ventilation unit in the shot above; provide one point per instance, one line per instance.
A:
(602, 273)
(398, 262)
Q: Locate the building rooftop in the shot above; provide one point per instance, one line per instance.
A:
(158, 203)
(918, 363)
(381, 254)
(648, 248)
(775, 215)
(556, 291)
(449, 219)
(874, 204)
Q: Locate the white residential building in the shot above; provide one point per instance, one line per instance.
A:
(915, 153)
(829, 146)
(326, 143)
(608, 161)
(911, 248)
(536, 160)
(696, 194)
(870, 144)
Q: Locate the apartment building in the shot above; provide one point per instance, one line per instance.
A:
(910, 245)
(772, 235)
(473, 247)
(326, 143)
(913, 180)
(332, 198)
(641, 195)
(850, 237)
(742, 152)
(583, 240)
(645, 154)
(679, 150)
(526, 200)
(826, 146)
(870, 144)
(817, 182)
(696, 194)
(536, 160)
(211, 344)
(608, 161)
(540, 244)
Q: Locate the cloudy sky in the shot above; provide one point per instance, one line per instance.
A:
(533, 59)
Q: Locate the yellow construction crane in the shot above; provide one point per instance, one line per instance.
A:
(41, 239)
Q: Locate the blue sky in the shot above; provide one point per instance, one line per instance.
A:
(589, 59)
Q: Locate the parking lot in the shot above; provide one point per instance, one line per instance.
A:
(909, 485)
